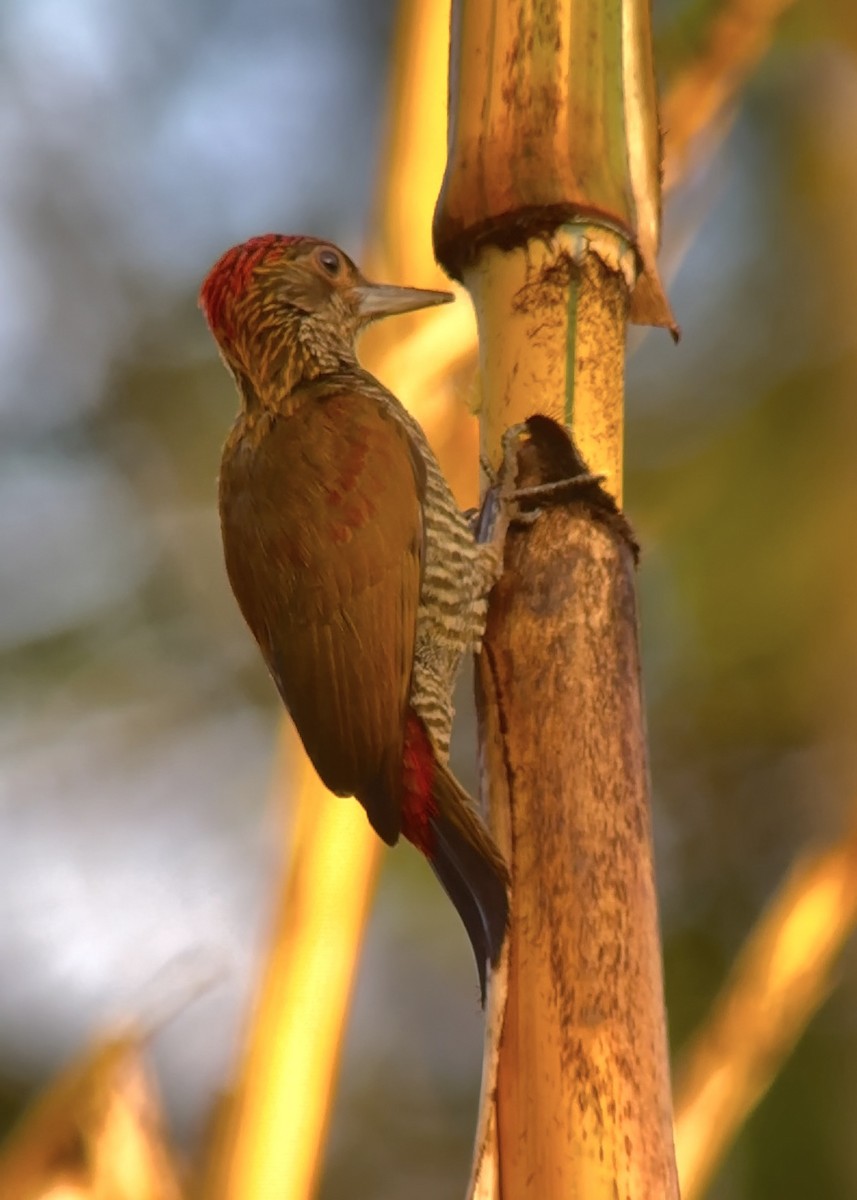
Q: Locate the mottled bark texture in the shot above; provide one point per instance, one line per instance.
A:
(583, 1055)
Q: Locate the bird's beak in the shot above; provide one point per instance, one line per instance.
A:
(386, 300)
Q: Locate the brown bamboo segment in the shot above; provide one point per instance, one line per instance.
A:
(537, 125)
(583, 1092)
(553, 119)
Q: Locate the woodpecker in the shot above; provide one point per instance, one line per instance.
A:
(354, 568)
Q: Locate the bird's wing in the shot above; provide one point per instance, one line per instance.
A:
(322, 524)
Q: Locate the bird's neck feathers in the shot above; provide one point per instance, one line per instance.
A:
(273, 360)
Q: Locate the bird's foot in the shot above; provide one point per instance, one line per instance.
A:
(513, 497)
(507, 504)
(501, 507)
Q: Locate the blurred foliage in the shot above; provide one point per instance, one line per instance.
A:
(136, 724)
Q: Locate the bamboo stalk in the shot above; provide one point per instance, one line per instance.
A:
(551, 319)
(583, 1092)
(271, 1138)
(548, 215)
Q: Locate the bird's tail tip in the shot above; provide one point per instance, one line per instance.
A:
(472, 872)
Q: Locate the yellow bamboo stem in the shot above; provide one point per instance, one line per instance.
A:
(549, 214)
(551, 319)
(271, 1144)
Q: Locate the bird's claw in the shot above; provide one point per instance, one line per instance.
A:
(501, 508)
(508, 497)
(511, 495)
(487, 467)
(472, 516)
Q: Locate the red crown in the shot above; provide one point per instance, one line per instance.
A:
(231, 274)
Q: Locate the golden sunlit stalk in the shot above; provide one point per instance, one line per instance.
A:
(271, 1144)
(778, 982)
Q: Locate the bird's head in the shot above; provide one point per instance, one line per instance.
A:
(295, 304)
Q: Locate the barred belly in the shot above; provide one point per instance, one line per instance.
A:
(458, 573)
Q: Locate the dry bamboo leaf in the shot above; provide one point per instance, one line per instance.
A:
(694, 111)
(95, 1132)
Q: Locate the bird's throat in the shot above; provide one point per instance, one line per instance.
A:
(274, 369)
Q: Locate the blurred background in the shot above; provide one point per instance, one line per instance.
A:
(138, 841)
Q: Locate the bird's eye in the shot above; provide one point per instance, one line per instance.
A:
(330, 260)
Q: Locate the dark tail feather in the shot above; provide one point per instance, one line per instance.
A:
(471, 870)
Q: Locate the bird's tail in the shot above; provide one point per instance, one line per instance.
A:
(470, 868)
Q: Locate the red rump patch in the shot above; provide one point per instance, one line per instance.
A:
(418, 803)
(231, 274)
